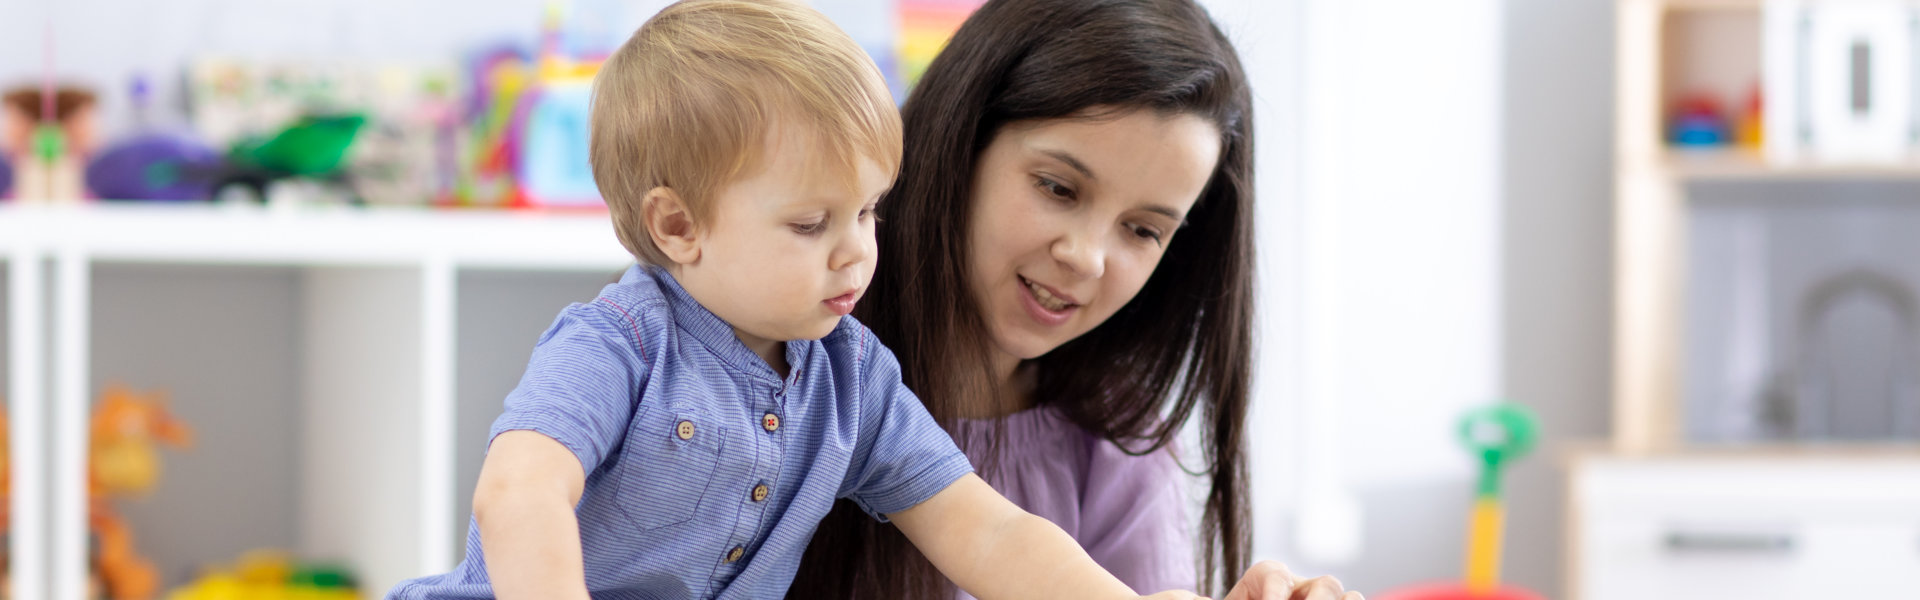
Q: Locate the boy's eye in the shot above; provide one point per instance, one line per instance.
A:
(808, 228)
(871, 211)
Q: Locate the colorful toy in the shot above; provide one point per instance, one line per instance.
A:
(310, 148)
(530, 126)
(1496, 435)
(500, 78)
(1698, 120)
(270, 575)
(151, 164)
(1751, 132)
(6, 173)
(126, 432)
(52, 132)
(554, 169)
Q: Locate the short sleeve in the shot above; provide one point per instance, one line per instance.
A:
(902, 457)
(582, 383)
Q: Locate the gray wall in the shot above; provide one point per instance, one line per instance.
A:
(501, 315)
(1559, 183)
(220, 342)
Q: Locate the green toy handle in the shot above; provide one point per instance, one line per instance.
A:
(1498, 434)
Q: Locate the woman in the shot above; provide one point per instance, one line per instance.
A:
(1066, 278)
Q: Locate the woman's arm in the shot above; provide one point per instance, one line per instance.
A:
(994, 550)
(524, 504)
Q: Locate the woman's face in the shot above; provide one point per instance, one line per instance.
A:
(1070, 216)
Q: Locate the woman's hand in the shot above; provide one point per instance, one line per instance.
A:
(1270, 580)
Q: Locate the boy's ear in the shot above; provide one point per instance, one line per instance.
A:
(671, 225)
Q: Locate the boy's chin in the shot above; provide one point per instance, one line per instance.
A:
(818, 330)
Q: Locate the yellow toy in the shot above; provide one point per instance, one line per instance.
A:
(269, 575)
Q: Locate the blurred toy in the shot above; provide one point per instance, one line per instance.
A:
(363, 133)
(6, 173)
(310, 148)
(1496, 435)
(554, 167)
(500, 78)
(270, 575)
(125, 435)
(1698, 120)
(1751, 132)
(530, 125)
(51, 132)
(151, 164)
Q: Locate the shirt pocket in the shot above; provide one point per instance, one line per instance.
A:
(670, 457)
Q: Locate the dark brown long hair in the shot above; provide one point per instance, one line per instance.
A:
(1182, 343)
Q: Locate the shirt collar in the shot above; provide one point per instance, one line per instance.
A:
(716, 334)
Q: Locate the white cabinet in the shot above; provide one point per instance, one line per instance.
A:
(1744, 527)
(330, 361)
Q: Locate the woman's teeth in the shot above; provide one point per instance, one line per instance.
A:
(1046, 298)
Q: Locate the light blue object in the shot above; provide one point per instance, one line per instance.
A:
(553, 162)
(875, 25)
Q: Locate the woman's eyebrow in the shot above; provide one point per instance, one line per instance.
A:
(1063, 156)
(1164, 210)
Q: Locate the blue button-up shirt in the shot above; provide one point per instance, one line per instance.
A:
(677, 425)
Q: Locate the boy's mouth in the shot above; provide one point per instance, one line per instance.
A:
(843, 304)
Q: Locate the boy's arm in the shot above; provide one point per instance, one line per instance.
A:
(529, 485)
(993, 549)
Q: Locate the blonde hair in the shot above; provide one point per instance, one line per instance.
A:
(688, 102)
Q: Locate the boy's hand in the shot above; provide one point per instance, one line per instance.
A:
(1270, 580)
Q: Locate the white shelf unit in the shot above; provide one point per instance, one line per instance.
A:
(23, 373)
(318, 353)
(1636, 502)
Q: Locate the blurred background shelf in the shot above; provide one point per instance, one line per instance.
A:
(1739, 220)
(1697, 165)
(340, 367)
(215, 234)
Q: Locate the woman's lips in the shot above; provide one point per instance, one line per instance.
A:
(1041, 314)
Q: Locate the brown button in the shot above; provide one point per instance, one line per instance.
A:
(734, 554)
(684, 430)
(770, 422)
(760, 492)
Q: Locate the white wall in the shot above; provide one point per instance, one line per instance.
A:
(1380, 154)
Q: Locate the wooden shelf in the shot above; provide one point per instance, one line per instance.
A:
(1709, 164)
(1575, 452)
(1701, 5)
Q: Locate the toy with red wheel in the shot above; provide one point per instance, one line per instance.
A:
(1496, 435)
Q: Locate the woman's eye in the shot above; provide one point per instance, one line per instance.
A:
(808, 228)
(1054, 188)
(1145, 233)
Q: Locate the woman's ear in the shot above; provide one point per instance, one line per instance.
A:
(670, 223)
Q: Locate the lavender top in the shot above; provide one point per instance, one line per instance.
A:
(1129, 512)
